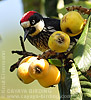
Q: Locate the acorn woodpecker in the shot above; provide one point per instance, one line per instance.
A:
(38, 29)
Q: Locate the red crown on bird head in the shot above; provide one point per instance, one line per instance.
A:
(27, 15)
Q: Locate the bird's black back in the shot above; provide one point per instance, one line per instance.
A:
(55, 23)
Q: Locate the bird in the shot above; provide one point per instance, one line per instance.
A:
(37, 29)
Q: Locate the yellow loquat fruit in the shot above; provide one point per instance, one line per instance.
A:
(72, 23)
(38, 68)
(52, 77)
(23, 74)
(59, 41)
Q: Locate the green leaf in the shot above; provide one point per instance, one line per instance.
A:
(85, 86)
(55, 62)
(82, 50)
(70, 89)
(75, 89)
(62, 87)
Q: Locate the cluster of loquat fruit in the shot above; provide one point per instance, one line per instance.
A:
(31, 68)
(71, 25)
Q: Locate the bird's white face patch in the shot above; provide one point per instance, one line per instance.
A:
(25, 24)
(39, 27)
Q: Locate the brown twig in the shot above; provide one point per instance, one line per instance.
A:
(24, 54)
(46, 54)
(15, 65)
(50, 53)
(80, 9)
(22, 43)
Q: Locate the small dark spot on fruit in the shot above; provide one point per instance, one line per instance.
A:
(38, 69)
(68, 30)
(60, 40)
(52, 86)
(57, 34)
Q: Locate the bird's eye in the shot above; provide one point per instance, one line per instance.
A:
(33, 21)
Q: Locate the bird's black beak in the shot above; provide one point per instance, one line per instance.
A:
(29, 30)
(26, 33)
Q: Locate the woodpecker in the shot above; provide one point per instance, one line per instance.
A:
(38, 29)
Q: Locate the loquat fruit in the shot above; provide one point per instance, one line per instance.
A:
(59, 41)
(38, 68)
(72, 23)
(23, 74)
(52, 78)
(28, 59)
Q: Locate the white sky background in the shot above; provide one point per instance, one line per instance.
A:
(10, 13)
